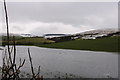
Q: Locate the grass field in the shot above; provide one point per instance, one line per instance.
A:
(30, 41)
(109, 44)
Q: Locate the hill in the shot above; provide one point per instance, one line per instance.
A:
(93, 34)
(108, 44)
(95, 40)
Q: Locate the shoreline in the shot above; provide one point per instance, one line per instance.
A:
(67, 48)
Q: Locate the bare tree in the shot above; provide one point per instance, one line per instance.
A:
(34, 76)
(9, 69)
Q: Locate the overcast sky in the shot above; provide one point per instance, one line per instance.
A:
(60, 17)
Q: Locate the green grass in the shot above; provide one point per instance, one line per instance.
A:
(109, 44)
(34, 40)
(30, 41)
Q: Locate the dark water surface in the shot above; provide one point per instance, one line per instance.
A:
(70, 63)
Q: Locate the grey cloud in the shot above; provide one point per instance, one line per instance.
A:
(94, 14)
(57, 11)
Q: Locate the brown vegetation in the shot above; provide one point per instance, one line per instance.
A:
(10, 70)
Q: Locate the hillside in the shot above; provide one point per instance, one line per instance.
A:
(101, 31)
(95, 40)
(92, 34)
(109, 44)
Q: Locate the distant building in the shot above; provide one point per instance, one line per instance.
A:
(94, 36)
(26, 35)
(88, 37)
(53, 35)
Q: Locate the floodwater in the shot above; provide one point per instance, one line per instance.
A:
(1, 57)
(69, 63)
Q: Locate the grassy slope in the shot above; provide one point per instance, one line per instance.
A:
(31, 41)
(34, 40)
(103, 44)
